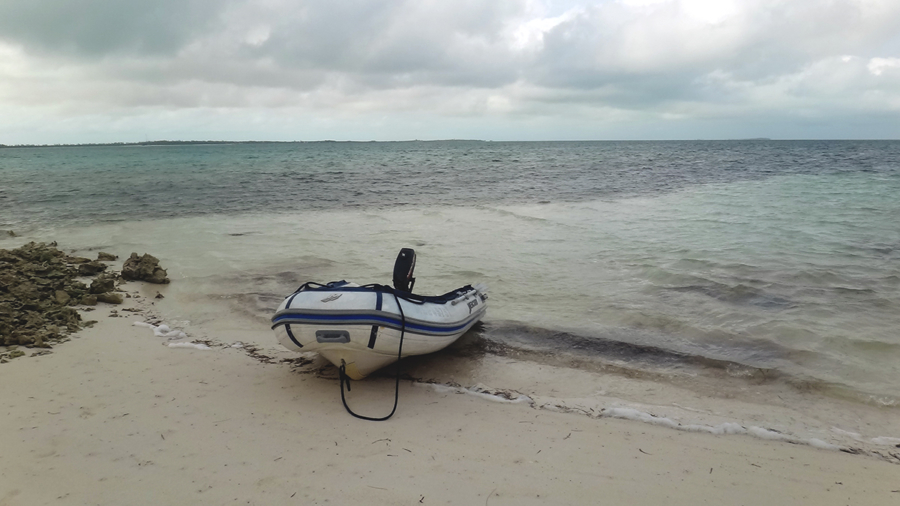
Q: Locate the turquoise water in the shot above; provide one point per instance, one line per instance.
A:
(753, 259)
(95, 184)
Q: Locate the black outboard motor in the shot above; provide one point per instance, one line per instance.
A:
(403, 270)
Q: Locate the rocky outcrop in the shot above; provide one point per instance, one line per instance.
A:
(39, 285)
(144, 268)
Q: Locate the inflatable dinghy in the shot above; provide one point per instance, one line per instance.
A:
(361, 329)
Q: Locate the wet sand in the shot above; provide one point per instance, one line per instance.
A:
(117, 417)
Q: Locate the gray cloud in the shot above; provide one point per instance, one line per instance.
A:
(103, 27)
(601, 65)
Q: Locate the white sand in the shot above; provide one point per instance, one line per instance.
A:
(118, 417)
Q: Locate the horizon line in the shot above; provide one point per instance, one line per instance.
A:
(164, 142)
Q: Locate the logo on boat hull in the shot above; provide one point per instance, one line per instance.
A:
(472, 305)
(331, 298)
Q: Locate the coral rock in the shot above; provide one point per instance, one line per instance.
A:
(144, 268)
(110, 298)
(103, 285)
(91, 268)
(62, 297)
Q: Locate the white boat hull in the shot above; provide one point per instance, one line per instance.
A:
(360, 327)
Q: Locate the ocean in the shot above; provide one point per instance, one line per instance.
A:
(754, 282)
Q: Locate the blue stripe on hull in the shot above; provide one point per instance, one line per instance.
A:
(369, 319)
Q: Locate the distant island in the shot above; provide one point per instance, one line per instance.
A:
(190, 143)
(145, 143)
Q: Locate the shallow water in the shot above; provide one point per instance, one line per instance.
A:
(713, 267)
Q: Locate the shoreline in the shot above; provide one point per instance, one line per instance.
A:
(226, 300)
(117, 416)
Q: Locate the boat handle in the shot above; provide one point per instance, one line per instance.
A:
(332, 336)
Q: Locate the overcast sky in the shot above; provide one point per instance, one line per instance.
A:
(134, 70)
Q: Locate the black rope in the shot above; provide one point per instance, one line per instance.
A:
(308, 285)
(407, 296)
(344, 376)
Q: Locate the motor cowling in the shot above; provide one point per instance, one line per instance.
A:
(403, 270)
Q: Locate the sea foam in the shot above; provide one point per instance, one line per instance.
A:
(162, 330)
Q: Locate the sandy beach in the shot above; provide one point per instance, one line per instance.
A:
(118, 417)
